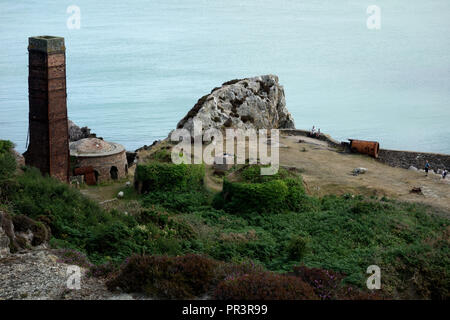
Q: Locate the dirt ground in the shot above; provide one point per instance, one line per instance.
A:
(326, 170)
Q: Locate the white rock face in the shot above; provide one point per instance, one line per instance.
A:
(252, 103)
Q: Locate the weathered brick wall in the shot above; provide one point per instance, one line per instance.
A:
(48, 149)
(103, 165)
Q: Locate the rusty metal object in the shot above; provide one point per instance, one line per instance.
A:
(371, 148)
(88, 173)
(48, 124)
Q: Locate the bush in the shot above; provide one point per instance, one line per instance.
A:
(268, 197)
(324, 282)
(70, 256)
(158, 176)
(297, 247)
(183, 277)
(276, 193)
(7, 160)
(112, 240)
(187, 201)
(264, 286)
(252, 174)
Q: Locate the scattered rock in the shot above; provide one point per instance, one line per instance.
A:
(252, 103)
(417, 190)
(358, 171)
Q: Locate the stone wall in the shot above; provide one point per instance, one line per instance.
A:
(405, 159)
(103, 165)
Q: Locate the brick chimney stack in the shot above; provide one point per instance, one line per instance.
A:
(48, 149)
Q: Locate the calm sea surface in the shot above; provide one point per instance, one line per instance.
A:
(136, 67)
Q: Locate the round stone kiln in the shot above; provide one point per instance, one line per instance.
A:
(98, 160)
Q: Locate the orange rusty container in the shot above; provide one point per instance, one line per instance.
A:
(370, 148)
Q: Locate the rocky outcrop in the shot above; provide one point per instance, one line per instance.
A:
(252, 103)
(76, 133)
(20, 232)
(6, 234)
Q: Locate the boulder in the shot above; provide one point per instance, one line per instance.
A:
(29, 231)
(412, 168)
(76, 133)
(251, 103)
(20, 232)
(7, 236)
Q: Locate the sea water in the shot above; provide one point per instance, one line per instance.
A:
(135, 67)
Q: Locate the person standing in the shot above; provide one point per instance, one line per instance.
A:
(427, 167)
(444, 174)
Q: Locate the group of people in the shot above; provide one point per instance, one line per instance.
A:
(428, 167)
(314, 133)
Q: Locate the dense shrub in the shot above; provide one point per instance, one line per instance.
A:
(73, 257)
(324, 282)
(297, 247)
(265, 197)
(180, 277)
(7, 160)
(74, 221)
(264, 286)
(159, 176)
(276, 193)
(186, 201)
(252, 174)
(112, 239)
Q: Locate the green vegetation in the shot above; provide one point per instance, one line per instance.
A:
(258, 194)
(7, 161)
(169, 177)
(268, 220)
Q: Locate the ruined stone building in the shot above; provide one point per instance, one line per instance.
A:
(98, 160)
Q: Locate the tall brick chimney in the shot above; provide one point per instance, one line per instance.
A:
(48, 149)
